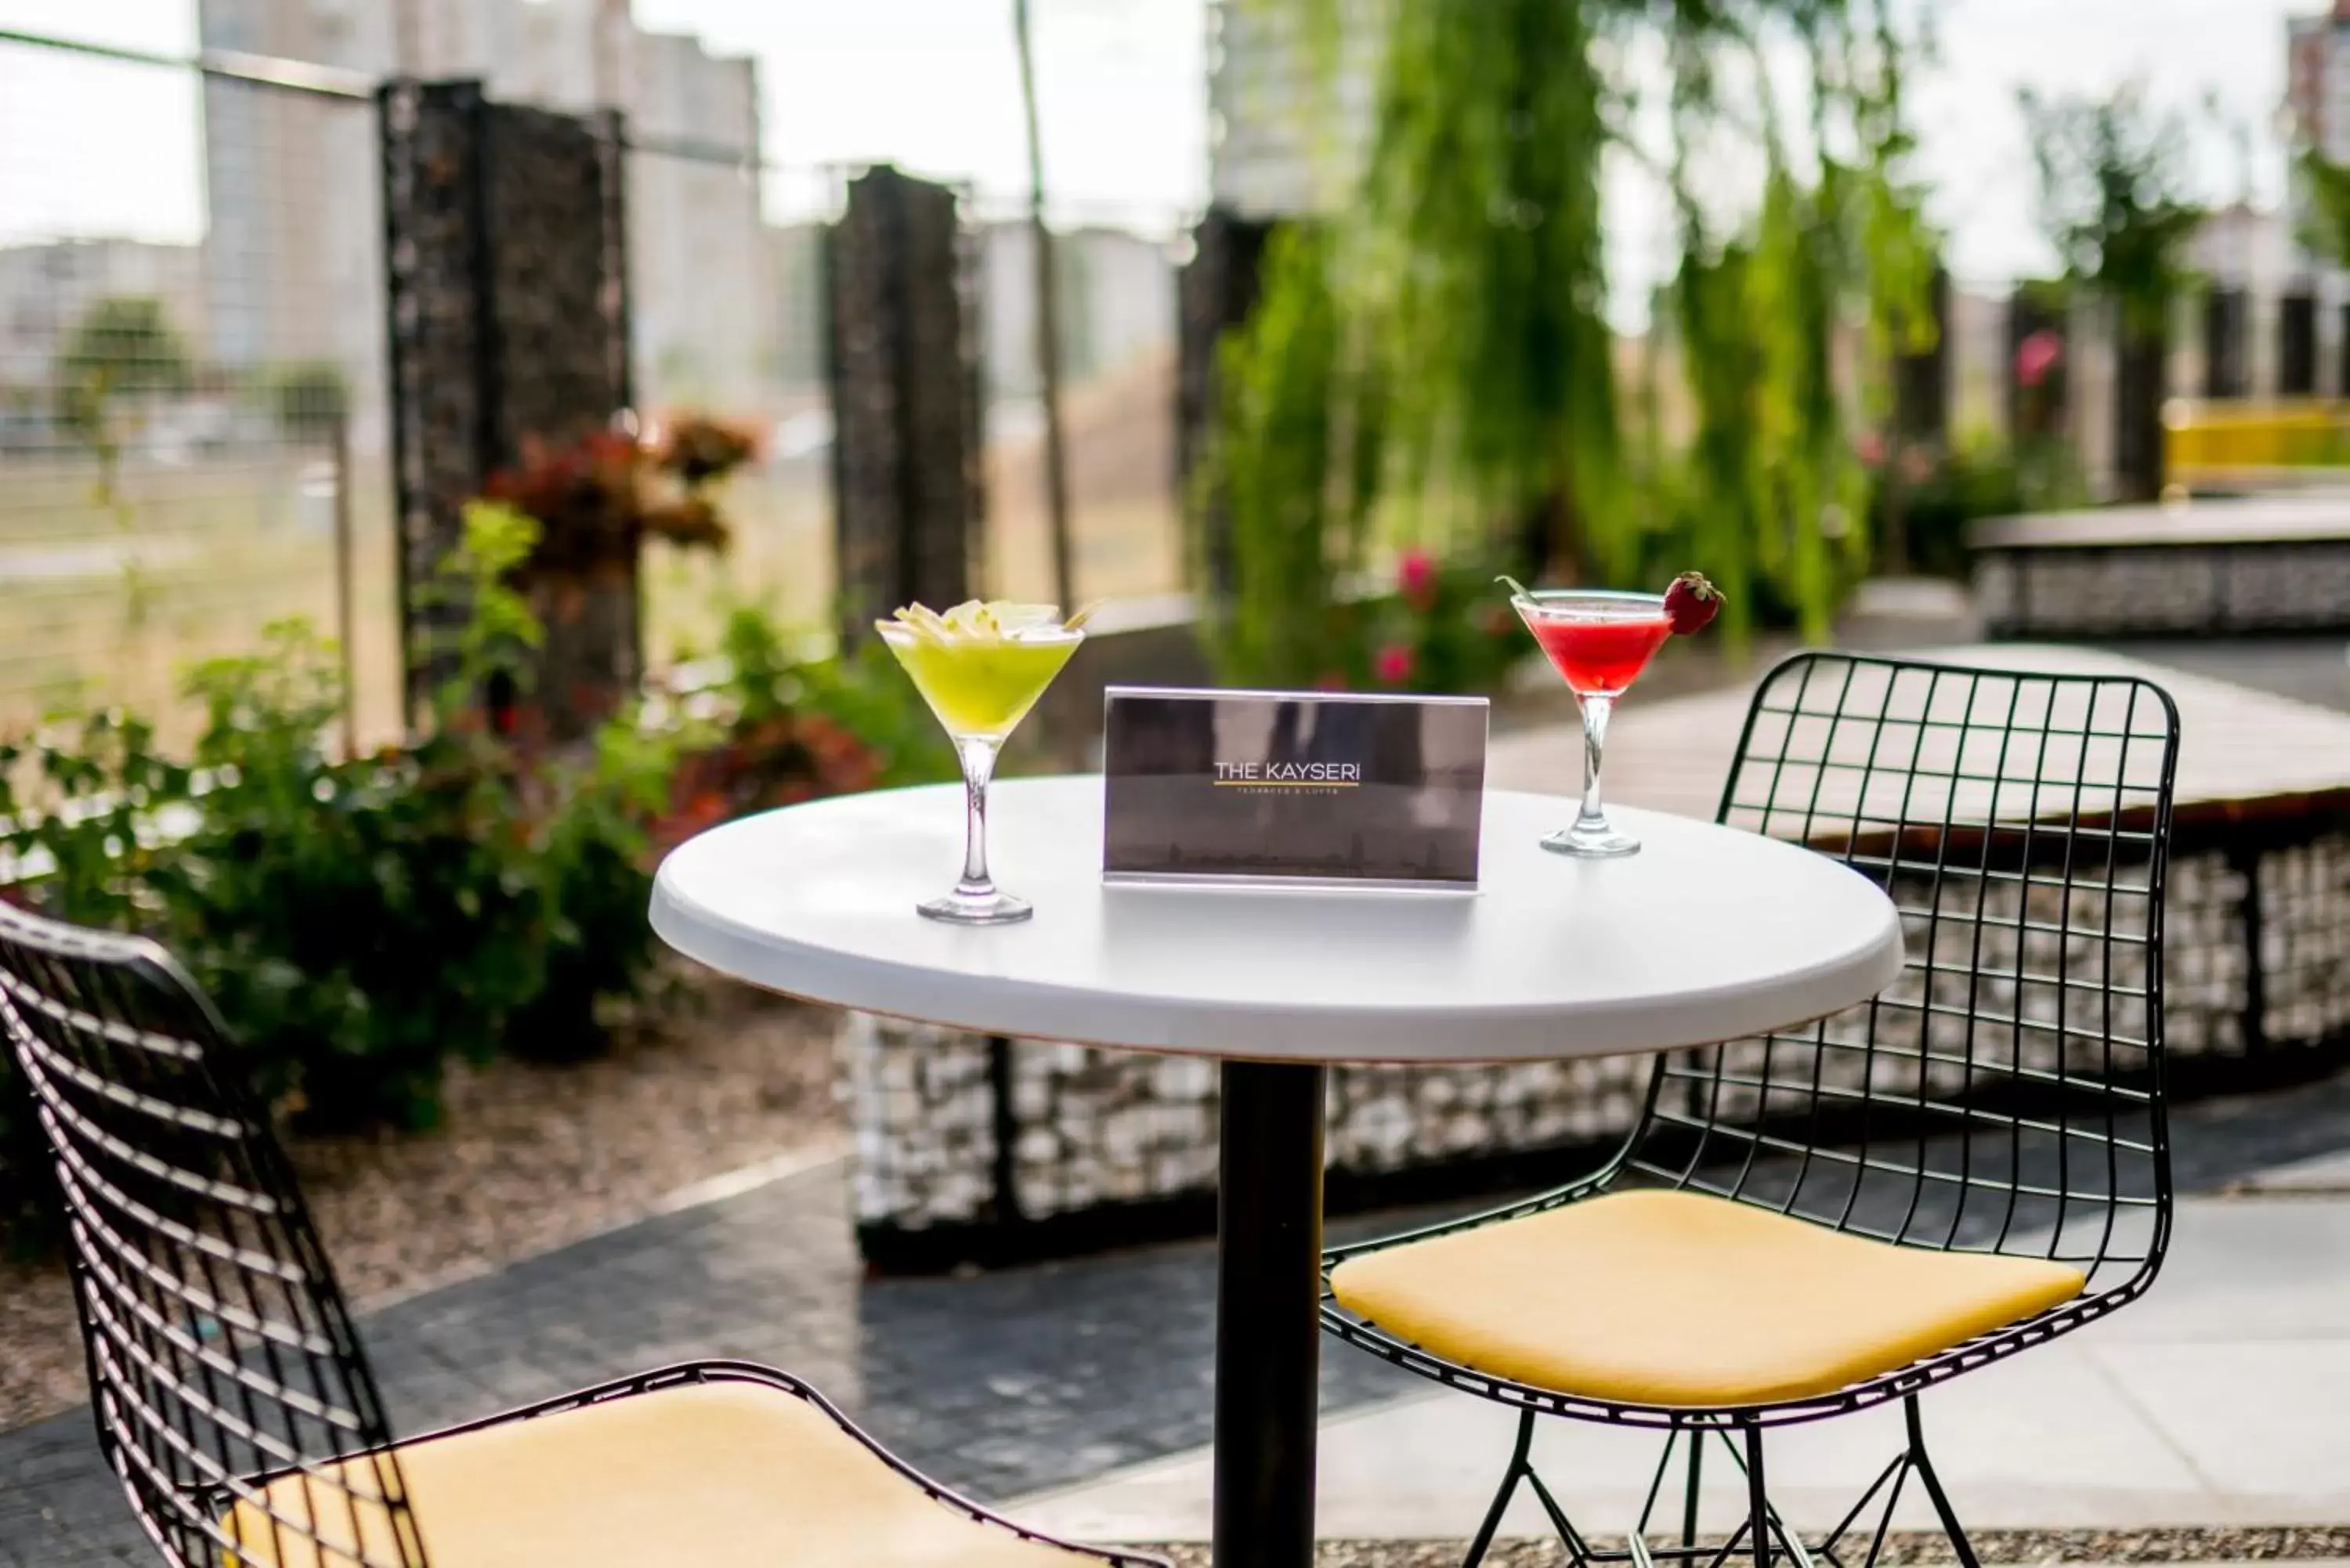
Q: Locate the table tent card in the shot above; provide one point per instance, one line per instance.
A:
(1295, 788)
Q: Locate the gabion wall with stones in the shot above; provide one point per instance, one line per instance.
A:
(1090, 1128)
(2183, 590)
(503, 240)
(902, 278)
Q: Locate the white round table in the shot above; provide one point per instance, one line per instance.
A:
(1708, 934)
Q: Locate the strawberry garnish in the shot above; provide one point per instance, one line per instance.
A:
(1691, 602)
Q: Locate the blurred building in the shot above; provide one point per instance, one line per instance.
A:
(1279, 140)
(2317, 114)
(2250, 263)
(294, 240)
(795, 282)
(1116, 303)
(2317, 81)
(703, 315)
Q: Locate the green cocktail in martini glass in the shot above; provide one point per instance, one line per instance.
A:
(981, 667)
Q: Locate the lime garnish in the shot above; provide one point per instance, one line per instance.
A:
(977, 621)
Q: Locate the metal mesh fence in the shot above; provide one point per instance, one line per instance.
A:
(753, 350)
(1115, 282)
(185, 421)
(728, 312)
(194, 426)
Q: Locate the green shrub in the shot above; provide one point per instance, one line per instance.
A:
(776, 726)
(363, 922)
(360, 921)
(1973, 481)
(1448, 628)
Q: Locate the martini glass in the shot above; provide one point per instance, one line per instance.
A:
(1600, 640)
(980, 687)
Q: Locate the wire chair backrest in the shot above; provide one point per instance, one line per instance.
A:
(2004, 1095)
(219, 1348)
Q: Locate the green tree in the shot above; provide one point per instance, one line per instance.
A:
(2112, 196)
(2114, 203)
(2326, 227)
(1277, 433)
(125, 346)
(1482, 267)
(310, 400)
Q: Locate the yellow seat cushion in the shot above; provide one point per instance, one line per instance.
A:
(1682, 1300)
(709, 1475)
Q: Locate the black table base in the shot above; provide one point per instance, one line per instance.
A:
(1268, 1312)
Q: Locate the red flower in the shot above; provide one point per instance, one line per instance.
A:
(1415, 575)
(2038, 353)
(1393, 664)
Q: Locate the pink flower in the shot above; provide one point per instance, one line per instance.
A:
(2038, 353)
(1392, 664)
(1416, 575)
(1870, 447)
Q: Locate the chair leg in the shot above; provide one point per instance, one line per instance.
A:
(1758, 1500)
(1688, 1496)
(1924, 1464)
(1510, 1479)
(1577, 1553)
(1896, 1473)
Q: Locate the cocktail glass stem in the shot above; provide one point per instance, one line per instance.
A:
(1596, 710)
(978, 755)
(1592, 833)
(976, 899)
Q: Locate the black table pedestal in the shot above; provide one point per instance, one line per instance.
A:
(1268, 1311)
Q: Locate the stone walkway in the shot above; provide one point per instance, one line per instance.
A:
(2312, 670)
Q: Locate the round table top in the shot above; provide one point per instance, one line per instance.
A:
(1708, 934)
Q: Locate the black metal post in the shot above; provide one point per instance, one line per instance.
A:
(1004, 1208)
(2246, 860)
(345, 635)
(1268, 1309)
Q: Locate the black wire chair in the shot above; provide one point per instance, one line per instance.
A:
(229, 1390)
(2004, 1097)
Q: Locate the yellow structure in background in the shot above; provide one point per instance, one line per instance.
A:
(2243, 444)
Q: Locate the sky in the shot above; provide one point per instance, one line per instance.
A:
(97, 148)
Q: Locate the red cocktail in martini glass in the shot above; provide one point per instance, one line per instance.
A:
(1600, 640)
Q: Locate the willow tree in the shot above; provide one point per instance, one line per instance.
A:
(2113, 203)
(1482, 261)
(1473, 384)
(1771, 490)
